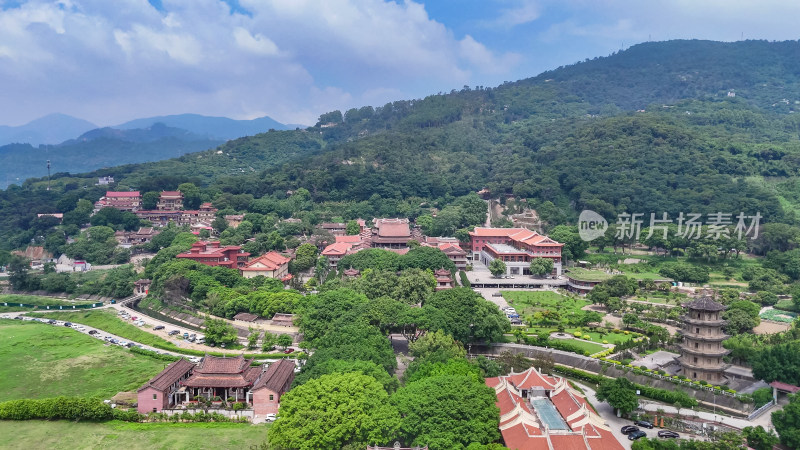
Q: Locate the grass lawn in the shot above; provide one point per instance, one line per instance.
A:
(578, 273)
(122, 435)
(34, 300)
(588, 346)
(530, 302)
(108, 321)
(612, 338)
(40, 360)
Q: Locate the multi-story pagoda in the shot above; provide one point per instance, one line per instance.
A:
(702, 350)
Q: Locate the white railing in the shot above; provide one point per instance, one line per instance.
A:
(761, 410)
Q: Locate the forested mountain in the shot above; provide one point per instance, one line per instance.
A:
(689, 126)
(50, 129)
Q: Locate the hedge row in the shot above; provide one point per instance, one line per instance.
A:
(464, 280)
(152, 354)
(67, 408)
(662, 395)
(95, 410)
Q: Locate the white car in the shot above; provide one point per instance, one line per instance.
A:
(270, 417)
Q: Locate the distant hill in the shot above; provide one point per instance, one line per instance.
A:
(678, 126)
(50, 129)
(210, 127)
(96, 149)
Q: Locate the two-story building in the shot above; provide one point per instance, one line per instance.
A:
(516, 247)
(212, 254)
(123, 201)
(270, 265)
(170, 201)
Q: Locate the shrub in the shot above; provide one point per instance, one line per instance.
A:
(577, 334)
(703, 382)
(605, 341)
(66, 408)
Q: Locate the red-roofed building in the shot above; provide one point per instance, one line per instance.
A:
(170, 201)
(123, 201)
(451, 247)
(391, 233)
(544, 412)
(181, 382)
(211, 254)
(270, 265)
(516, 247)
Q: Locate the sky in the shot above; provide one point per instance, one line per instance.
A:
(110, 61)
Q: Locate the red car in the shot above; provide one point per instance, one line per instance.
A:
(288, 350)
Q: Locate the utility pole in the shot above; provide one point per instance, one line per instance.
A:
(48, 174)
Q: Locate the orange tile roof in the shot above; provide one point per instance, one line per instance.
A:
(339, 248)
(354, 239)
(270, 261)
(122, 194)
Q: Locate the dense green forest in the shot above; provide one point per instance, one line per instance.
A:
(655, 128)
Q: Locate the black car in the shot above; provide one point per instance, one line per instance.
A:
(643, 424)
(17, 317)
(67, 324)
(51, 322)
(92, 331)
(668, 434)
(636, 435)
(158, 327)
(627, 429)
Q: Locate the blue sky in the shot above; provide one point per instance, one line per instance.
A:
(112, 61)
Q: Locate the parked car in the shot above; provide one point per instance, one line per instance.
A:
(17, 317)
(668, 434)
(113, 301)
(288, 350)
(52, 322)
(158, 327)
(497, 294)
(636, 435)
(92, 331)
(629, 429)
(270, 417)
(174, 332)
(643, 424)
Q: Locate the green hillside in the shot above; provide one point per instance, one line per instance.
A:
(652, 128)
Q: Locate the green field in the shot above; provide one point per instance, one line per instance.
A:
(40, 360)
(34, 434)
(530, 302)
(34, 300)
(578, 273)
(108, 321)
(588, 346)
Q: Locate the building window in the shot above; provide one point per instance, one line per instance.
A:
(155, 396)
(697, 330)
(696, 345)
(271, 397)
(695, 360)
(155, 409)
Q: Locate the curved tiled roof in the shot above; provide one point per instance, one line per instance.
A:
(705, 303)
(277, 378)
(171, 374)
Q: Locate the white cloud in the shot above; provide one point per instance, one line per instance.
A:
(291, 59)
(524, 11)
